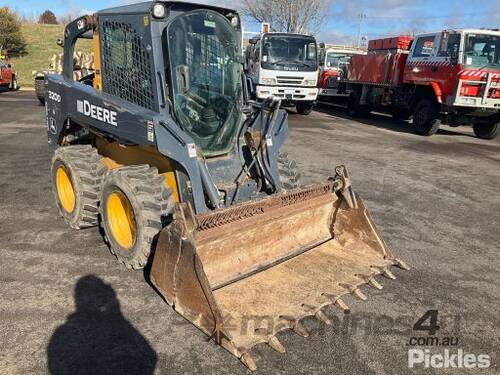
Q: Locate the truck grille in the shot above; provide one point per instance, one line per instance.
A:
(289, 80)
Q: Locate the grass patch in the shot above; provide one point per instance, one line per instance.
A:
(40, 47)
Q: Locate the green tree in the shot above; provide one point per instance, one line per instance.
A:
(48, 17)
(11, 39)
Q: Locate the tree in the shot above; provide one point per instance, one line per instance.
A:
(11, 39)
(47, 17)
(291, 16)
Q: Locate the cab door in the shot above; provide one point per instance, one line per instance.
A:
(422, 59)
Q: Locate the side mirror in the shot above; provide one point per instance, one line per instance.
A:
(60, 42)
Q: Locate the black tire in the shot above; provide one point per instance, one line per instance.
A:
(40, 90)
(151, 203)
(289, 173)
(401, 114)
(304, 108)
(487, 131)
(354, 109)
(426, 117)
(84, 168)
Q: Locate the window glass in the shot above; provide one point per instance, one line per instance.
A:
(285, 52)
(482, 50)
(453, 46)
(205, 68)
(424, 46)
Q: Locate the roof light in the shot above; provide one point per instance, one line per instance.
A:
(234, 21)
(158, 10)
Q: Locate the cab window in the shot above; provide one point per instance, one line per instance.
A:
(452, 47)
(424, 46)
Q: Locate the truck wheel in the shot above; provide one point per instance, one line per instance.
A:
(135, 205)
(76, 179)
(289, 173)
(487, 131)
(40, 90)
(426, 117)
(354, 109)
(304, 108)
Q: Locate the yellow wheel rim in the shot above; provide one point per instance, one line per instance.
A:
(65, 190)
(121, 219)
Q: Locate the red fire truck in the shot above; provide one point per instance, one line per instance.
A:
(450, 77)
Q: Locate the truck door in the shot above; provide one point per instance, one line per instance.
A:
(422, 60)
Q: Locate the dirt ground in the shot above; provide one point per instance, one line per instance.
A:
(68, 304)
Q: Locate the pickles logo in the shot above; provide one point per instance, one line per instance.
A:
(98, 113)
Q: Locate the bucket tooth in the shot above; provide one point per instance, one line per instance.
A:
(342, 305)
(388, 274)
(374, 283)
(320, 315)
(248, 361)
(300, 330)
(359, 294)
(399, 263)
(276, 344)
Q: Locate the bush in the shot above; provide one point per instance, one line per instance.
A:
(11, 39)
(48, 17)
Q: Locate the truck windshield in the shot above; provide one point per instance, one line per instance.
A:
(482, 51)
(292, 53)
(205, 78)
(336, 60)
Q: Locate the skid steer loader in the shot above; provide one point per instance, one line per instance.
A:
(161, 147)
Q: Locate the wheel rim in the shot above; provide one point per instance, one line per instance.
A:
(65, 191)
(121, 219)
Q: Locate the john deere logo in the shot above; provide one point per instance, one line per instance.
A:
(99, 113)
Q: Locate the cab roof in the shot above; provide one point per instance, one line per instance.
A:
(145, 7)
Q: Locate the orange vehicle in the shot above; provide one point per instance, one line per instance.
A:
(8, 76)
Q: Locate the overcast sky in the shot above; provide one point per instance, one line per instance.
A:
(381, 17)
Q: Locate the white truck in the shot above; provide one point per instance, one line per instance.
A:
(285, 66)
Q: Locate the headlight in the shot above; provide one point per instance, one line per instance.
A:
(310, 82)
(268, 81)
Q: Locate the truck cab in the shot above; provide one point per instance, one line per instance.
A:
(334, 63)
(285, 66)
(463, 68)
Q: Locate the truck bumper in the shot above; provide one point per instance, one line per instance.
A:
(287, 93)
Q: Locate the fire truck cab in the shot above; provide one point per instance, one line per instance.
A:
(450, 77)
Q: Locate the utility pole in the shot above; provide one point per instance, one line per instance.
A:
(361, 17)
